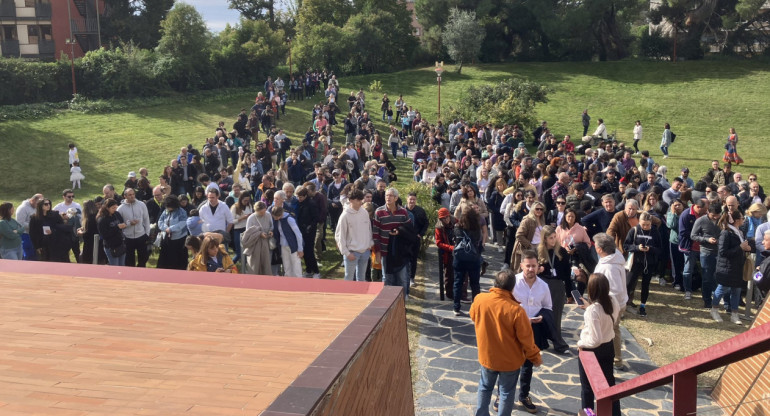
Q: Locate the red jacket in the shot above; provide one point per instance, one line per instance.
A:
(444, 240)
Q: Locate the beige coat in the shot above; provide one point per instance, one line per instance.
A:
(524, 236)
(256, 249)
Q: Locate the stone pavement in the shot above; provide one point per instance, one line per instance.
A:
(448, 369)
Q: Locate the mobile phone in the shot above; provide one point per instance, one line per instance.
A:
(578, 299)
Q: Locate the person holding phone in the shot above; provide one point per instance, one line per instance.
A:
(643, 242)
(601, 313)
(212, 257)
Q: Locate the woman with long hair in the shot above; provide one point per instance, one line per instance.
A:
(529, 233)
(495, 202)
(241, 211)
(597, 334)
(88, 231)
(111, 225)
(212, 257)
(198, 197)
(469, 226)
(256, 241)
(574, 239)
(643, 240)
(173, 225)
(556, 273)
(10, 234)
(515, 211)
(731, 254)
(50, 235)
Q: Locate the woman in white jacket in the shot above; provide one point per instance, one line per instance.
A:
(637, 135)
(597, 334)
(354, 237)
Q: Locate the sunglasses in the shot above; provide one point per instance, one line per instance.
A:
(538, 209)
(560, 202)
(46, 204)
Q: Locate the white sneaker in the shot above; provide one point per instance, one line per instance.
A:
(715, 315)
(687, 295)
(316, 275)
(665, 156)
(662, 281)
(735, 319)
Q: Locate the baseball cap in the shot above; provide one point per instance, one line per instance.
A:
(443, 213)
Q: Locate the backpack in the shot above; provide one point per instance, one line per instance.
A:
(465, 250)
(673, 137)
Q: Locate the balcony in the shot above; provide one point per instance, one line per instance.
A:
(84, 26)
(7, 8)
(43, 10)
(46, 47)
(10, 48)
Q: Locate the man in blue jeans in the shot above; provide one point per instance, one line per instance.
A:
(385, 223)
(689, 247)
(505, 341)
(354, 237)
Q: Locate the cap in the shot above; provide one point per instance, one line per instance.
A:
(336, 172)
(132, 174)
(443, 213)
(522, 144)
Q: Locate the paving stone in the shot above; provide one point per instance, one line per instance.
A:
(554, 377)
(470, 377)
(565, 389)
(468, 353)
(636, 403)
(457, 411)
(434, 400)
(434, 374)
(468, 366)
(465, 339)
(634, 412)
(447, 387)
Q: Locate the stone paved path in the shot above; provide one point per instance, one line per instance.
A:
(448, 370)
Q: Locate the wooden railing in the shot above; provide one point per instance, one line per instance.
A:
(682, 374)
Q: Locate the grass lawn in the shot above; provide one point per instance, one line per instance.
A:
(701, 100)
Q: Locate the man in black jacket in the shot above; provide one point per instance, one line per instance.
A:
(420, 220)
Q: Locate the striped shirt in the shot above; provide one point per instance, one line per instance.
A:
(383, 222)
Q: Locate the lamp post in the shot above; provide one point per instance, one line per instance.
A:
(71, 42)
(291, 74)
(439, 70)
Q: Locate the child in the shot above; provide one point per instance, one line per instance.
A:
(404, 148)
(75, 175)
(390, 115)
(73, 153)
(374, 268)
(194, 223)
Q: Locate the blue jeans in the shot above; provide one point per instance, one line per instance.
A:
(677, 260)
(508, 381)
(690, 260)
(399, 278)
(237, 243)
(723, 291)
(356, 269)
(28, 248)
(473, 269)
(11, 253)
(664, 149)
(115, 261)
(394, 149)
(708, 264)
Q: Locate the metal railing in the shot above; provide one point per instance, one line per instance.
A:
(84, 25)
(682, 373)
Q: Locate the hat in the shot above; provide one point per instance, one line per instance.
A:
(624, 181)
(132, 174)
(631, 192)
(685, 170)
(336, 172)
(521, 144)
(443, 213)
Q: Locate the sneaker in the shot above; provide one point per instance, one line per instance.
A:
(687, 295)
(466, 301)
(500, 249)
(484, 268)
(677, 287)
(316, 275)
(665, 156)
(621, 366)
(642, 311)
(496, 404)
(631, 304)
(715, 315)
(735, 319)
(459, 313)
(528, 406)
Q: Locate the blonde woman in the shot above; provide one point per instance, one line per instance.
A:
(556, 273)
(212, 257)
(529, 233)
(470, 200)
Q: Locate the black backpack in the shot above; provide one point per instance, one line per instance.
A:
(465, 250)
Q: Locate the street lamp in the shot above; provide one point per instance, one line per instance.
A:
(71, 42)
(439, 70)
(291, 74)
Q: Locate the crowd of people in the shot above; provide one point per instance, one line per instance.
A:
(593, 219)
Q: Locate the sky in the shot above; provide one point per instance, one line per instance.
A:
(215, 13)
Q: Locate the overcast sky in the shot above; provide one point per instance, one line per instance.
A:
(215, 13)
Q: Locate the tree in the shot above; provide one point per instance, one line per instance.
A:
(314, 12)
(255, 9)
(136, 21)
(247, 52)
(185, 45)
(462, 37)
(509, 102)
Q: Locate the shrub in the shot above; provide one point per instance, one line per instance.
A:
(29, 82)
(375, 86)
(654, 45)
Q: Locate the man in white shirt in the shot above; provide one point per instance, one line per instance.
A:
(69, 202)
(535, 297)
(216, 217)
(25, 211)
(612, 265)
(137, 219)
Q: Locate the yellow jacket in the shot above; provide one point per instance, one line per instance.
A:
(199, 265)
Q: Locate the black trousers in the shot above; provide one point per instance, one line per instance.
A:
(308, 254)
(136, 252)
(605, 354)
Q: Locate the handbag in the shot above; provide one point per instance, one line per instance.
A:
(118, 251)
(272, 243)
(630, 259)
(748, 267)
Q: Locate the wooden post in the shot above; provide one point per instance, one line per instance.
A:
(685, 393)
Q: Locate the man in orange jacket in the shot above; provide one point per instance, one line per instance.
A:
(504, 338)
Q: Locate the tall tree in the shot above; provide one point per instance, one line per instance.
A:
(462, 37)
(255, 9)
(185, 45)
(134, 20)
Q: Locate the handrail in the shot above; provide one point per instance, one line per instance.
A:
(683, 373)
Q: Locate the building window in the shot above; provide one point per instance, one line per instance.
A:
(29, 3)
(9, 32)
(33, 32)
(46, 33)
